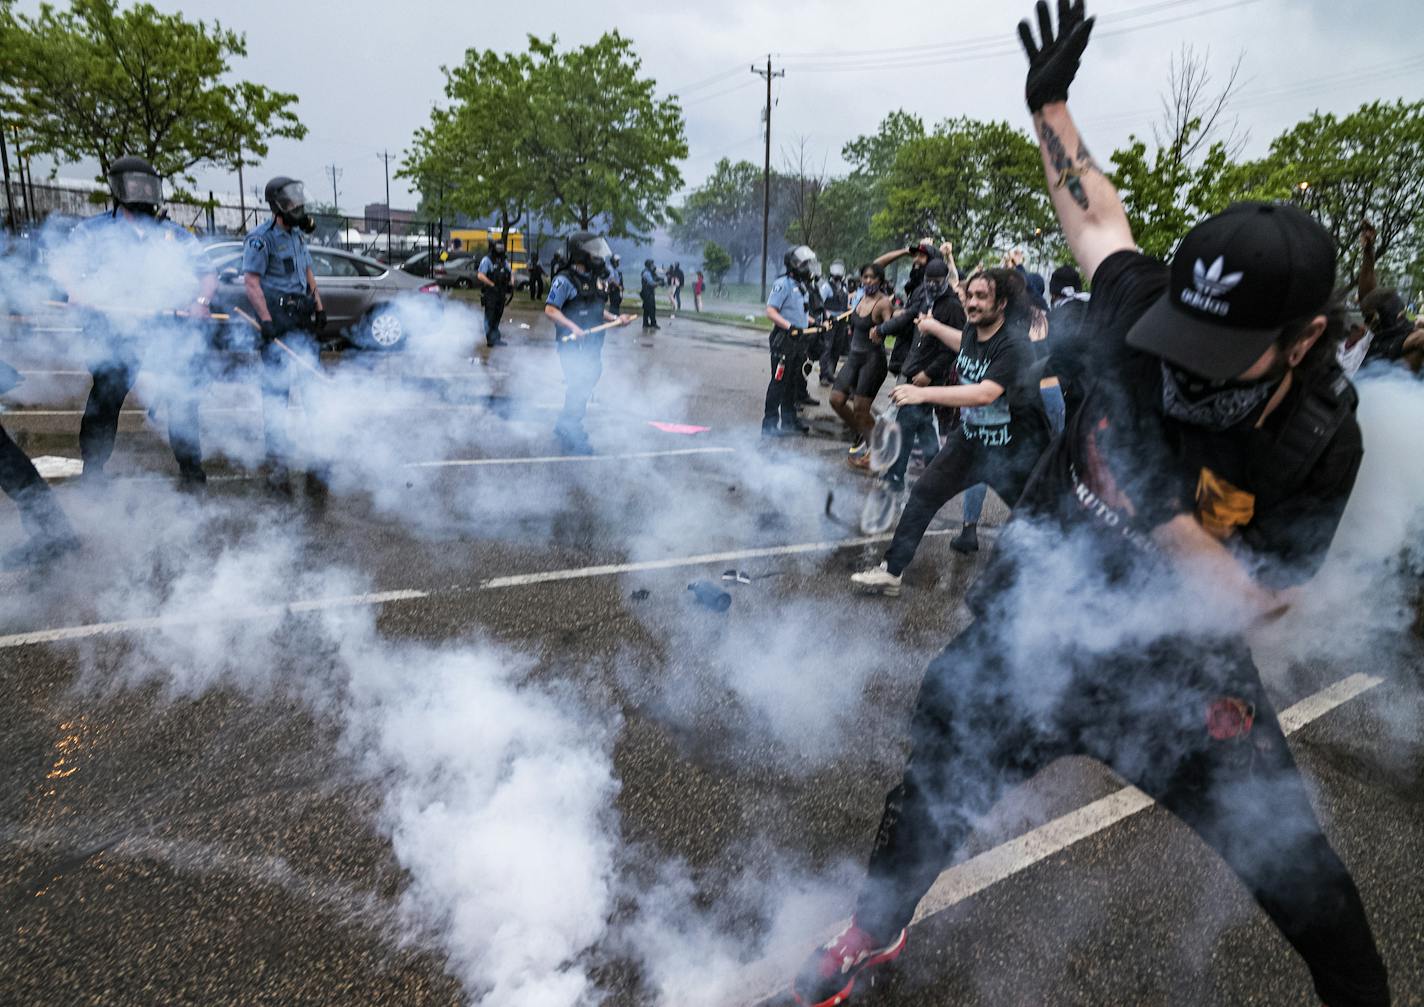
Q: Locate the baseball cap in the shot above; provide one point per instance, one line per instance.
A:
(1238, 278)
(937, 269)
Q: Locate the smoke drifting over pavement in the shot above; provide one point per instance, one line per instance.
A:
(498, 781)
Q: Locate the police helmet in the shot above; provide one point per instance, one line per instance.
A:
(591, 251)
(801, 262)
(616, 260)
(838, 270)
(496, 250)
(136, 185)
(647, 263)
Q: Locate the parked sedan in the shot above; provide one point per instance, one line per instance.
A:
(421, 263)
(357, 293)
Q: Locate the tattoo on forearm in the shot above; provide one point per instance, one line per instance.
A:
(1070, 170)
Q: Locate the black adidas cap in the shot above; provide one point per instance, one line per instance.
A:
(1237, 279)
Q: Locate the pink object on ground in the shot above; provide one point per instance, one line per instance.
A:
(677, 428)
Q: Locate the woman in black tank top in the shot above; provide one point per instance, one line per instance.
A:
(863, 372)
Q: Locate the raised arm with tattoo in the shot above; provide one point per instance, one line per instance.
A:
(1087, 205)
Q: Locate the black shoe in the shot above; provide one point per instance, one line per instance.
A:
(39, 551)
(967, 541)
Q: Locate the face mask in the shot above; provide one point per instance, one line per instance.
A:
(936, 288)
(871, 287)
(1214, 407)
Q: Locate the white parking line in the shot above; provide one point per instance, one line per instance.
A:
(81, 632)
(457, 462)
(768, 978)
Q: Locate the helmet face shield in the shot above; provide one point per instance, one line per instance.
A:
(801, 261)
(291, 198)
(136, 187)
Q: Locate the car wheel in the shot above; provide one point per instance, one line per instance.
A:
(464, 283)
(383, 329)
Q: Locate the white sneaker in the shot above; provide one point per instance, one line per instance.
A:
(877, 581)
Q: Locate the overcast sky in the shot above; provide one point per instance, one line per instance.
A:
(367, 71)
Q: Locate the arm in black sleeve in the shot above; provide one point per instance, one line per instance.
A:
(949, 311)
(1293, 537)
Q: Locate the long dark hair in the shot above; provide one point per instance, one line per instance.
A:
(1009, 290)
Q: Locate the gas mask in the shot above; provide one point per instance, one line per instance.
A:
(137, 192)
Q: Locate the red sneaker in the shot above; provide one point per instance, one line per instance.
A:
(829, 975)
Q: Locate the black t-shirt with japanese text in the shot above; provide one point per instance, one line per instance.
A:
(1017, 417)
(1123, 467)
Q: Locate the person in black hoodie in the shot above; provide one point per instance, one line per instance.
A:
(929, 362)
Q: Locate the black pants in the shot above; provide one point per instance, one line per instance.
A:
(536, 288)
(615, 299)
(493, 303)
(280, 374)
(982, 725)
(650, 309)
(787, 356)
(917, 428)
(114, 378)
(963, 463)
(582, 363)
(23, 484)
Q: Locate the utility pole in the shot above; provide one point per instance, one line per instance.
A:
(241, 193)
(335, 173)
(12, 223)
(766, 170)
(386, 157)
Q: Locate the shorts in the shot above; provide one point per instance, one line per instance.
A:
(862, 373)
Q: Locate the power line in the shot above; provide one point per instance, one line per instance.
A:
(981, 49)
(716, 78)
(719, 94)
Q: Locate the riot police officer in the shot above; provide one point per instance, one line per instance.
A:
(493, 278)
(536, 277)
(649, 291)
(786, 306)
(282, 289)
(134, 317)
(614, 284)
(577, 303)
(835, 300)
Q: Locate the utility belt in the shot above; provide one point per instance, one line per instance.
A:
(292, 312)
(784, 343)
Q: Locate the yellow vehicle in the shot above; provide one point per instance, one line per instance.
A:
(475, 241)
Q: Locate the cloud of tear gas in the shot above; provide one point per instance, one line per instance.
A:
(1369, 584)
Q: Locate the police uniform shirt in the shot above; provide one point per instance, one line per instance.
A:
(279, 257)
(615, 277)
(487, 267)
(650, 279)
(147, 264)
(789, 298)
(586, 313)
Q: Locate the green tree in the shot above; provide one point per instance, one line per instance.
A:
(602, 146)
(475, 155)
(978, 183)
(716, 261)
(727, 209)
(1362, 167)
(93, 81)
(1190, 172)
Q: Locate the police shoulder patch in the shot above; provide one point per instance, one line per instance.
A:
(254, 242)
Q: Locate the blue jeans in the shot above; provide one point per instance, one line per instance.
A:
(974, 498)
(917, 425)
(1053, 405)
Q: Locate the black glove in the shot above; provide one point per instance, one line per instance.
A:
(269, 331)
(320, 319)
(1053, 65)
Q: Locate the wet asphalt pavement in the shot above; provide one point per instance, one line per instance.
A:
(176, 837)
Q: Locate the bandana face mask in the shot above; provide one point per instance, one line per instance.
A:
(1213, 406)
